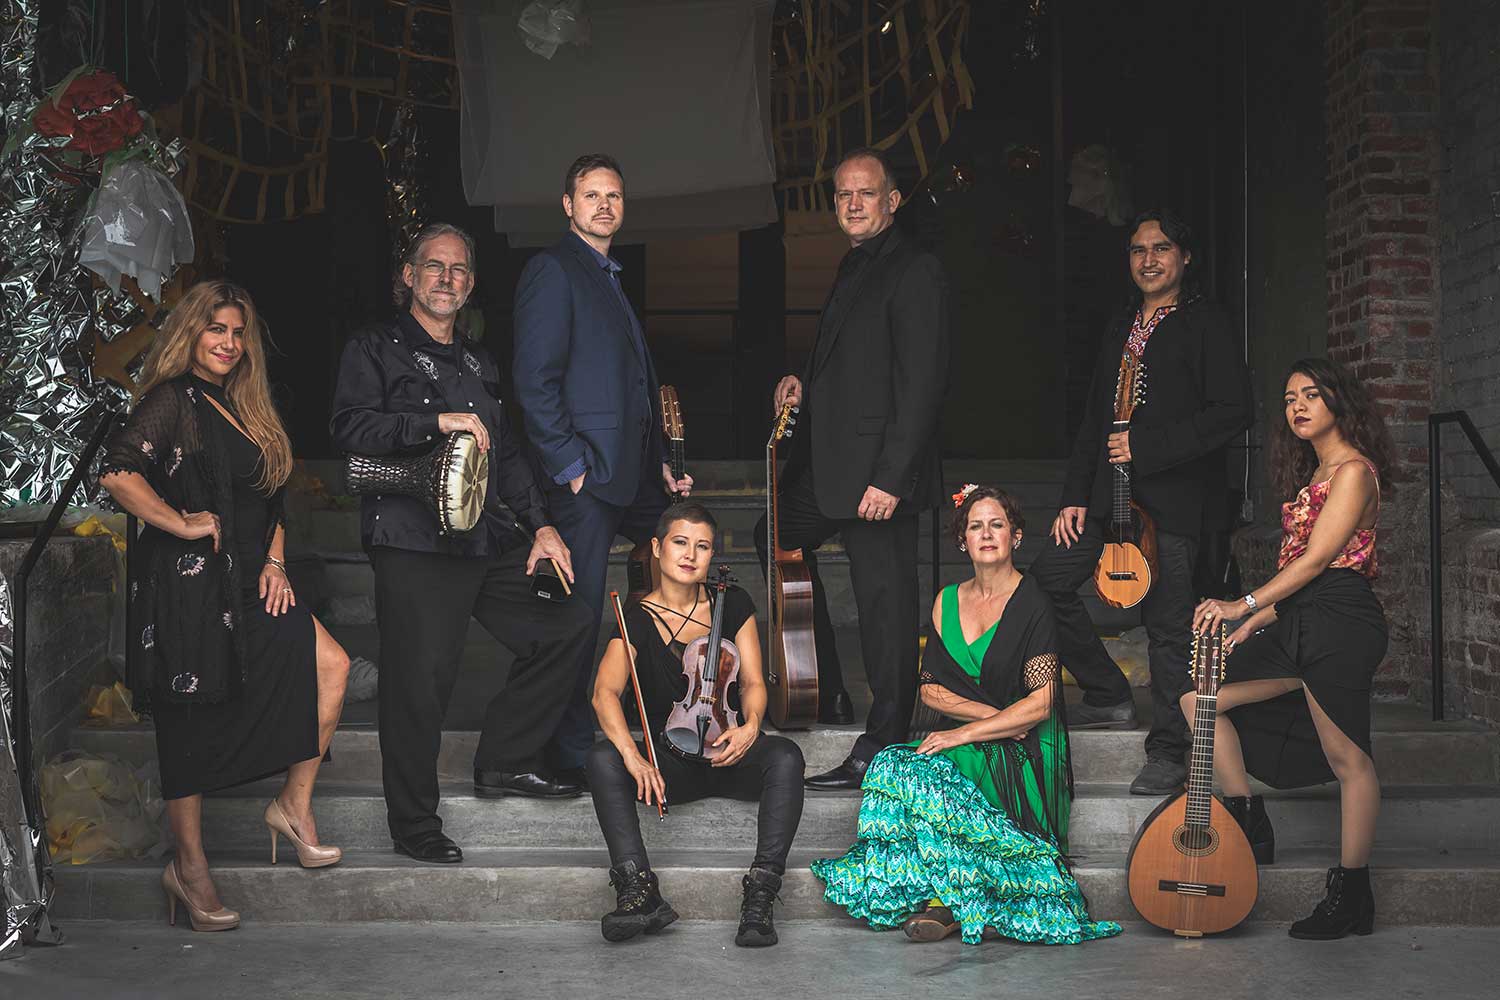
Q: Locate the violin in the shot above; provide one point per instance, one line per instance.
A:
(710, 664)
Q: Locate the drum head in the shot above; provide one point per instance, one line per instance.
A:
(467, 478)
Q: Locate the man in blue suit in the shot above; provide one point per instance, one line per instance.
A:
(591, 406)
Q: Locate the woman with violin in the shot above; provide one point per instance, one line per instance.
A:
(967, 830)
(1303, 656)
(705, 729)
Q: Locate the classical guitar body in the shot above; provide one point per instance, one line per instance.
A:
(1192, 880)
(642, 574)
(791, 654)
(1127, 566)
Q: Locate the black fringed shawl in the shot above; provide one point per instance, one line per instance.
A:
(1021, 658)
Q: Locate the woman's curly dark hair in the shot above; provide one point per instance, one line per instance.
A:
(1293, 460)
(1008, 503)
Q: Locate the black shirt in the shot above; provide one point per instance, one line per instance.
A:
(845, 285)
(394, 381)
(659, 665)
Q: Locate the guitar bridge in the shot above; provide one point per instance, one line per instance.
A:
(1122, 576)
(1189, 888)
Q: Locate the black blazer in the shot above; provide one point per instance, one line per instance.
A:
(1198, 400)
(583, 376)
(874, 385)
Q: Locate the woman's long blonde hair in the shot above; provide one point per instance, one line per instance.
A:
(246, 386)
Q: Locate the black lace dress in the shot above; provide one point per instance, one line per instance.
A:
(233, 689)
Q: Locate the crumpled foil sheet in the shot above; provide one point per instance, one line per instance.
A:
(405, 152)
(26, 885)
(51, 311)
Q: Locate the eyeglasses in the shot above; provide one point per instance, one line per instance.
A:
(436, 269)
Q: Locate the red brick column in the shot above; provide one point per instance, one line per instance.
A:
(1381, 112)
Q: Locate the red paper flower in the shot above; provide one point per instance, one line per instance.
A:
(94, 111)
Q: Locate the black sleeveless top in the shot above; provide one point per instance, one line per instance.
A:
(658, 664)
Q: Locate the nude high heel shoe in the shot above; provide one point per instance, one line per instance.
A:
(221, 919)
(308, 855)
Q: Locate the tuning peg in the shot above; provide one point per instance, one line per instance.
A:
(796, 409)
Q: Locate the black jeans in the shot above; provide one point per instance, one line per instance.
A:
(423, 602)
(771, 772)
(883, 569)
(1167, 613)
(588, 527)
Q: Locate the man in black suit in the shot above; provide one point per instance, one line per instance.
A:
(591, 406)
(864, 460)
(1198, 400)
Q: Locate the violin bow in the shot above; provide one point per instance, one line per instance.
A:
(640, 702)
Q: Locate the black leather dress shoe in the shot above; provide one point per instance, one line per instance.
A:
(1086, 716)
(433, 846)
(837, 712)
(498, 784)
(572, 776)
(849, 774)
(1160, 776)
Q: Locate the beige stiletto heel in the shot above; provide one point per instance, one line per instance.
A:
(222, 919)
(308, 855)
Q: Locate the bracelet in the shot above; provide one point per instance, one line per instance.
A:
(273, 561)
(1249, 600)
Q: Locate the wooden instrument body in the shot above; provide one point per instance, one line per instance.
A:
(1127, 565)
(791, 653)
(642, 573)
(1189, 882)
(1191, 870)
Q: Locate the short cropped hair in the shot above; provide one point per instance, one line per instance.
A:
(587, 162)
(870, 153)
(689, 511)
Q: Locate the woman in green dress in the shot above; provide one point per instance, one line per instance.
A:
(968, 829)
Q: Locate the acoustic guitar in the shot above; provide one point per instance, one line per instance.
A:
(791, 656)
(1191, 870)
(1128, 563)
(642, 573)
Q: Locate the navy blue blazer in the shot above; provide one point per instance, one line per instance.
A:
(583, 374)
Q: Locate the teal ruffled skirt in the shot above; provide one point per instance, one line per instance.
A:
(925, 832)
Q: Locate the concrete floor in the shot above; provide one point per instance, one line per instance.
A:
(816, 959)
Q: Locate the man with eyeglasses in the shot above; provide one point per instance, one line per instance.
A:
(402, 385)
(591, 405)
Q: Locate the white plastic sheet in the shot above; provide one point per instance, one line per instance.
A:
(138, 225)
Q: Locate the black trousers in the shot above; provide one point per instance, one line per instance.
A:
(423, 602)
(771, 772)
(588, 527)
(883, 569)
(1167, 613)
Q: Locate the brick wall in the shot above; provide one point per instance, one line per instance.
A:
(67, 630)
(1381, 113)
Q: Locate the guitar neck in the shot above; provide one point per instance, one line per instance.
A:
(677, 457)
(1120, 499)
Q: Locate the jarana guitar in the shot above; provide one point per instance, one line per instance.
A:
(791, 656)
(1191, 870)
(1128, 563)
(642, 573)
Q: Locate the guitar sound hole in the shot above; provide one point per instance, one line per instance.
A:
(1195, 841)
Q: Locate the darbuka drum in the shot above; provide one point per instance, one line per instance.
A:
(451, 479)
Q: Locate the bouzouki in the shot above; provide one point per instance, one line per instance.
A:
(791, 656)
(641, 570)
(1128, 563)
(1191, 870)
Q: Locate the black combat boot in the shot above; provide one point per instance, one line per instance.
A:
(1250, 812)
(1348, 906)
(757, 927)
(638, 904)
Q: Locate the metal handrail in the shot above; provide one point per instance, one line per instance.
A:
(22, 704)
(1435, 422)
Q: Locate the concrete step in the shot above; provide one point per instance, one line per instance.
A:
(1411, 887)
(1454, 754)
(1105, 817)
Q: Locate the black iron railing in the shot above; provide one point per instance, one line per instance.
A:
(1435, 424)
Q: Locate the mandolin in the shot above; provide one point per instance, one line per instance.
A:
(1191, 870)
(791, 657)
(1128, 563)
(642, 574)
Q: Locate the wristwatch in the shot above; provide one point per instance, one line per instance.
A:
(1250, 602)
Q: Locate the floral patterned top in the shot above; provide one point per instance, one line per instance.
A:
(1298, 517)
(1141, 329)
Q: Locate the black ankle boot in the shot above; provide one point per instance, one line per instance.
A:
(1250, 812)
(1348, 906)
(638, 904)
(757, 927)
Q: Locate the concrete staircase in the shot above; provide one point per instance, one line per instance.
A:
(1438, 859)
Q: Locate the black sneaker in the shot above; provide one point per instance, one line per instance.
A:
(757, 926)
(639, 907)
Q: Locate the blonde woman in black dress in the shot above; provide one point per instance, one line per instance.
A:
(242, 681)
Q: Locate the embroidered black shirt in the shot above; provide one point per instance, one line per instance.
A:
(394, 381)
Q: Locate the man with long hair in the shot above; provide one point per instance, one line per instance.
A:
(1198, 399)
(402, 385)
